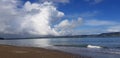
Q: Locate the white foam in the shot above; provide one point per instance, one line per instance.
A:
(91, 46)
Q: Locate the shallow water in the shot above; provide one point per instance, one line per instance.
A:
(110, 47)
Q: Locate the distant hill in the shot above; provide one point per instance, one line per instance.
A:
(110, 34)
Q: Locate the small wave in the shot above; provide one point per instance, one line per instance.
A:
(113, 51)
(92, 46)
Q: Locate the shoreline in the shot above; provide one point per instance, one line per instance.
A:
(9, 51)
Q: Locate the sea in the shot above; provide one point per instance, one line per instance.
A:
(90, 47)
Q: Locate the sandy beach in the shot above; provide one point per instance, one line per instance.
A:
(7, 51)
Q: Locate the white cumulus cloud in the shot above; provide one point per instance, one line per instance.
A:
(39, 23)
(33, 19)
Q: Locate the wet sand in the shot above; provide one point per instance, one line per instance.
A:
(7, 51)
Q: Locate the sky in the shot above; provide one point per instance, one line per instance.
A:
(31, 18)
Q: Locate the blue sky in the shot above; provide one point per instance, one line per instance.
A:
(59, 17)
(106, 9)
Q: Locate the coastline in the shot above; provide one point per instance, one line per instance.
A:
(8, 51)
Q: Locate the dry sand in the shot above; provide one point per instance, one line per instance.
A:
(7, 51)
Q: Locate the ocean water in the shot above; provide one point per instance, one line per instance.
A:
(91, 47)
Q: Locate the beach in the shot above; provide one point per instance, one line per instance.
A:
(7, 51)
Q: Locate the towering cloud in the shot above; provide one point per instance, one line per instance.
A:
(39, 18)
(31, 19)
